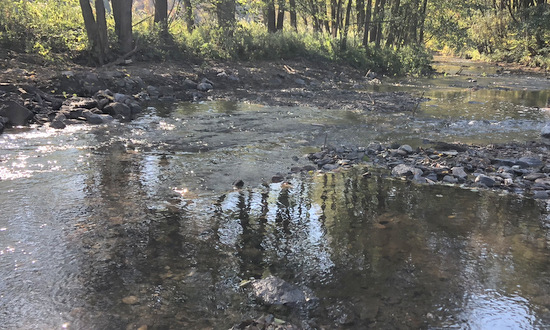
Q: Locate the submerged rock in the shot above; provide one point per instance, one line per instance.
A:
(275, 291)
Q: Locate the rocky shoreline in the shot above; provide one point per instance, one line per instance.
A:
(519, 168)
(59, 97)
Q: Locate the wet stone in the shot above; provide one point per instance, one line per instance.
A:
(275, 291)
(130, 300)
(541, 194)
(450, 179)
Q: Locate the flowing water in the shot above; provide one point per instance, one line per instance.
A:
(121, 226)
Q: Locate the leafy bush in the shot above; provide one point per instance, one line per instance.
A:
(42, 26)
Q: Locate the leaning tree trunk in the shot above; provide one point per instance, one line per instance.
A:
(96, 28)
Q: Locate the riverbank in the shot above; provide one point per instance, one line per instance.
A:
(61, 96)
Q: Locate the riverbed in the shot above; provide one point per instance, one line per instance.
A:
(139, 224)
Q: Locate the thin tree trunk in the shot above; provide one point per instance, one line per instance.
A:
(337, 21)
(360, 9)
(374, 25)
(393, 24)
(188, 15)
(422, 21)
(293, 18)
(91, 29)
(379, 26)
(366, 29)
(101, 27)
(344, 38)
(281, 15)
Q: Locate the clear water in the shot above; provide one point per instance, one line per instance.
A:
(137, 224)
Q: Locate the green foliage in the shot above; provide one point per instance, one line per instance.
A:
(42, 26)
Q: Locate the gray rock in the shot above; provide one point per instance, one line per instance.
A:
(122, 98)
(330, 167)
(534, 176)
(275, 291)
(459, 172)
(485, 180)
(406, 170)
(300, 81)
(545, 132)
(204, 87)
(153, 92)
(450, 179)
(541, 194)
(1, 128)
(95, 119)
(530, 162)
(16, 114)
(189, 84)
(86, 103)
(119, 111)
(101, 104)
(407, 148)
(59, 121)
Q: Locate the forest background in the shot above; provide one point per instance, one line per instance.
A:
(389, 36)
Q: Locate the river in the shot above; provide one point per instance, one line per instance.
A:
(138, 224)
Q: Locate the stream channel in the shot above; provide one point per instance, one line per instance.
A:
(137, 225)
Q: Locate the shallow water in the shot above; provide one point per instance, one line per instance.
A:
(137, 224)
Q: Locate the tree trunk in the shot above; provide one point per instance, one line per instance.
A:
(368, 12)
(422, 21)
(225, 10)
(360, 9)
(315, 16)
(281, 15)
(293, 18)
(102, 26)
(122, 13)
(161, 15)
(374, 25)
(393, 23)
(270, 13)
(188, 14)
(338, 21)
(344, 37)
(96, 28)
(379, 27)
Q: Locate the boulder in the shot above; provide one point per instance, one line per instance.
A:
(16, 114)
(485, 180)
(119, 111)
(59, 121)
(459, 172)
(545, 132)
(204, 87)
(530, 162)
(406, 148)
(406, 170)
